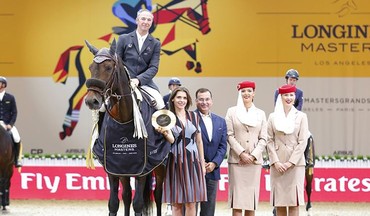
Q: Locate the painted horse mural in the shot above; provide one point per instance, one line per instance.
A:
(175, 14)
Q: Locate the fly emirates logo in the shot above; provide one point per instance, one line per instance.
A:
(77, 181)
(341, 184)
(69, 181)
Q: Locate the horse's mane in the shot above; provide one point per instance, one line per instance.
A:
(4, 137)
(122, 69)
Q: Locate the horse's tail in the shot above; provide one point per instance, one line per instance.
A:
(148, 194)
(310, 156)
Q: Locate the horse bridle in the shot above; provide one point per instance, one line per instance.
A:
(105, 88)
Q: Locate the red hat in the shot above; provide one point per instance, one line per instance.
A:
(287, 89)
(246, 84)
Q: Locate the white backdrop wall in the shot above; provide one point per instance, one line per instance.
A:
(338, 110)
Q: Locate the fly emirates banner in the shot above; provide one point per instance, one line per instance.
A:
(37, 182)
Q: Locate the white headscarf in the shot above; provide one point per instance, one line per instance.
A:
(284, 123)
(246, 117)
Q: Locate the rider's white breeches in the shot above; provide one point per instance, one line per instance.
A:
(156, 95)
(15, 135)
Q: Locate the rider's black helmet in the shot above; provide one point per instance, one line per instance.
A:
(174, 81)
(3, 80)
(293, 73)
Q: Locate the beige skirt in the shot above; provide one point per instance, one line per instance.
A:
(244, 186)
(287, 188)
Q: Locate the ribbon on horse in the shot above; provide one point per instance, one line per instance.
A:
(140, 130)
(94, 136)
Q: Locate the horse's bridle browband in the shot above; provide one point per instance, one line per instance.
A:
(105, 88)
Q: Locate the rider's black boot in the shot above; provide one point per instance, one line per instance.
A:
(17, 148)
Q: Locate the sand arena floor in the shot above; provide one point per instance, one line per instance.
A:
(99, 208)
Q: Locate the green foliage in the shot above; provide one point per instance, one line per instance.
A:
(55, 156)
(342, 157)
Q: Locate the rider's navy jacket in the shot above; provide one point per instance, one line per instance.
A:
(8, 109)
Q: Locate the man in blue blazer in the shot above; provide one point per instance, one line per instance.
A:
(291, 78)
(140, 53)
(213, 129)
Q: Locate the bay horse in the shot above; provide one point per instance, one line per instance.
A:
(109, 87)
(6, 166)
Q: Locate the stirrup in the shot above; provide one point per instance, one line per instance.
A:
(18, 164)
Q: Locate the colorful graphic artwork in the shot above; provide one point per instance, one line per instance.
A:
(191, 13)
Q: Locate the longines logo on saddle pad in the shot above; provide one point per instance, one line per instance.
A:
(124, 147)
(118, 151)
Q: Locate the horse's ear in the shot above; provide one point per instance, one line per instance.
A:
(92, 49)
(113, 47)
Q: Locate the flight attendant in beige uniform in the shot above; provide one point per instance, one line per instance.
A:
(287, 130)
(246, 139)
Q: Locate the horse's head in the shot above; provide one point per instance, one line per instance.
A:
(102, 69)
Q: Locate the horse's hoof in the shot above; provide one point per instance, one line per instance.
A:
(62, 135)
(309, 212)
(198, 68)
(308, 206)
(189, 65)
(68, 131)
(112, 214)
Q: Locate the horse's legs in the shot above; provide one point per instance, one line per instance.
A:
(113, 203)
(138, 203)
(142, 202)
(160, 172)
(73, 111)
(6, 197)
(309, 178)
(2, 200)
(310, 163)
(126, 194)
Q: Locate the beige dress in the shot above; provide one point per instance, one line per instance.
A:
(287, 189)
(244, 181)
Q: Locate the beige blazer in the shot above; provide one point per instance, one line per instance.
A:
(288, 147)
(241, 137)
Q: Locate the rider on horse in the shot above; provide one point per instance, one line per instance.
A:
(140, 53)
(8, 116)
